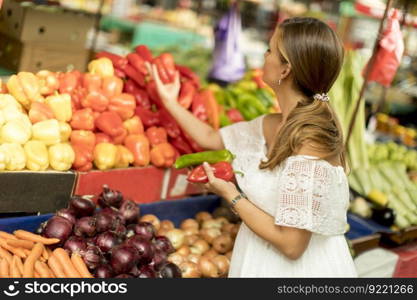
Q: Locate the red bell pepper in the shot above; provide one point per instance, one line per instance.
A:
(198, 108)
(83, 138)
(103, 138)
(68, 82)
(187, 73)
(163, 155)
(222, 170)
(148, 117)
(76, 96)
(169, 64)
(144, 52)
(40, 112)
(91, 82)
(83, 119)
(137, 62)
(138, 144)
(124, 105)
(186, 94)
(142, 98)
(153, 94)
(135, 75)
(169, 123)
(112, 86)
(83, 158)
(110, 123)
(235, 115)
(118, 61)
(181, 145)
(96, 101)
(119, 139)
(134, 125)
(156, 135)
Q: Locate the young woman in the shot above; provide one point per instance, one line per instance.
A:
(295, 188)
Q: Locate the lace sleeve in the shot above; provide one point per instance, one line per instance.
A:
(308, 197)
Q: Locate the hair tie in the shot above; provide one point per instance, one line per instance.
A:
(322, 97)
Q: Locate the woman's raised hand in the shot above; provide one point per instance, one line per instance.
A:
(167, 92)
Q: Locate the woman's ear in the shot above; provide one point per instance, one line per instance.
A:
(286, 71)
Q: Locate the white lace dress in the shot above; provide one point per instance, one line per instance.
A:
(304, 192)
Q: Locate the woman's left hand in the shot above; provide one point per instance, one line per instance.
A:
(223, 188)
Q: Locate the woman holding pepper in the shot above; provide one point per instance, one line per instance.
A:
(295, 188)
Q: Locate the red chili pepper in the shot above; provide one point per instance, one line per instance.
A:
(110, 123)
(119, 73)
(144, 52)
(234, 115)
(186, 94)
(153, 94)
(117, 60)
(148, 117)
(169, 123)
(169, 64)
(136, 76)
(191, 142)
(162, 71)
(181, 145)
(189, 74)
(199, 108)
(222, 170)
(136, 61)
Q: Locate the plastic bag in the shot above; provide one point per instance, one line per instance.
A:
(228, 59)
(388, 57)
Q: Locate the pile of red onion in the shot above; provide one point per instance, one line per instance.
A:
(112, 241)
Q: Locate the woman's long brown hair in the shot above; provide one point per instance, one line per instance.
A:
(316, 55)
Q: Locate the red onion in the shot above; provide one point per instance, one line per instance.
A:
(85, 226)
(170, 270)
(68, 214)
(129, 211)
(158, 260)
(103, 271)
(123, 258)
(163, 244)
(135, 271)
(75, 244)
(58, 227)
(144, 229)
(120, 230)
(145, 249)
(107, 241)
(92, 257)
(147, 272)
(105, 220)
(110, 198)
(82, 206)
(124, 276)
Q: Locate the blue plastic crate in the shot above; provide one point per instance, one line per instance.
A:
(174, 210)
(360, 227)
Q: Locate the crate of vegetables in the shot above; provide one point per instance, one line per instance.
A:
(183, 238)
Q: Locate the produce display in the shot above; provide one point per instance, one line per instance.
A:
(389, 126)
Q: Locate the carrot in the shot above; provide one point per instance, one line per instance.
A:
(79, 264)
(4, 268)
(14, 270)
(17, 251)
(19, 263)
(42, 269)
(56, 267)
(28, 266)
(6, 235)
(36, 275)
(65, 261)
(27, 252)
(45, 254)
(6, 255)
(26, 235)
(20, 244)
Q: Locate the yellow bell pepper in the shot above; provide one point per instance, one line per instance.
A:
(124, 157)
(101, 66)
(15, 132)
(65, 131)
(61, 156)
(37, 158)
(25, 87)
(2, 120)
(11, 113)
(16, 155)
(7, 100)
(47, 131)
(105, 156)
(61, 106)
(4, 159)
